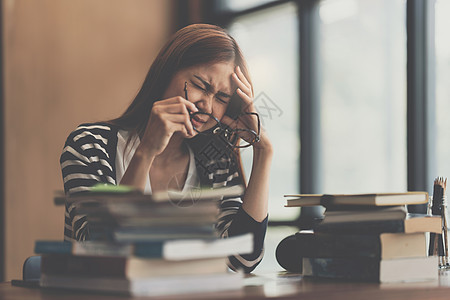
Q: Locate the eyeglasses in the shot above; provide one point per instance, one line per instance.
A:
(239, 134)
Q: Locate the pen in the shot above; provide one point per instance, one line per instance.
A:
(445, 261)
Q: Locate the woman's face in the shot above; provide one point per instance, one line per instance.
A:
(209, 87)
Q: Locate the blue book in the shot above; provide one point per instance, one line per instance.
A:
(178, 249)
(99, 248)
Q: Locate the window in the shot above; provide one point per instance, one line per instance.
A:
(269, 40)
(442, 130)
(360, 59)
(363, 95)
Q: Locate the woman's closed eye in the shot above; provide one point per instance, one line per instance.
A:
(222, 101)
(200, 87)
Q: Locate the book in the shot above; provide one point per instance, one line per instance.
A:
(181, 249)
(387, 213)
(150, 234)
(127, 267)
(376, 199)
(145, 245)
(110, 193)
(152, 221)
(135, 217)
(142, 209)
(382, 246)
(108, 222)
(412, 223)
(200, 194)
(373, 269)
(150, 287)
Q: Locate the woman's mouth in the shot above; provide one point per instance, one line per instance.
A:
(197, 122)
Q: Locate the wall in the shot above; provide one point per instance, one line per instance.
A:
(65, 62)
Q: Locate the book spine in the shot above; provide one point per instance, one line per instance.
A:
(57, 247)
(145, 235)
(342, 245)
(356, 208)
(149, 250)
(101, 249)
(92, 248)
(369, 227)
(111, 267)
(357, 269)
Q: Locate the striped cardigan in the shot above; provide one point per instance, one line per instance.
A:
(89, 158)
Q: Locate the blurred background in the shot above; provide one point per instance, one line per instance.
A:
(354, 95)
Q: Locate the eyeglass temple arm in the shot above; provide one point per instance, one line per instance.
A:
(185, 91)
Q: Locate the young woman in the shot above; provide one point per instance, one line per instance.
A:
(169, 135)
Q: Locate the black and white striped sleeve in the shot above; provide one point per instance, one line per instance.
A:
(234, 220)
(87, 159)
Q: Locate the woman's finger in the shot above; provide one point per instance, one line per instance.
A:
(248, 107)
(179, 119)
(175, 108)
(177, 100)
(242, 77)
(241, 85)
(243, 95)
(182, 129)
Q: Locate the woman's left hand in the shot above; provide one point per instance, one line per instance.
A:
(245, 91)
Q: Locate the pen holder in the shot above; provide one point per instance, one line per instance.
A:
(444, 261)
(438, 243)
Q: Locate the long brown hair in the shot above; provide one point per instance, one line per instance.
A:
(192, 45)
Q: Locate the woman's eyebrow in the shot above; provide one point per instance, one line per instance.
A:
(208, 86)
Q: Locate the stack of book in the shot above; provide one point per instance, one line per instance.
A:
(368, 237)
(145, 245)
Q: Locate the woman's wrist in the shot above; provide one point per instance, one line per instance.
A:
(144, 154)
(260, 152)
(138, 169)
(264, 146)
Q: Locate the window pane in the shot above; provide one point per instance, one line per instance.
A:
(363, 94)
(269, 40)
(442, 88)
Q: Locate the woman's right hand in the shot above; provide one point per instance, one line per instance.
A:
(167, 117)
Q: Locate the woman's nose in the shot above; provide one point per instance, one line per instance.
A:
(205, 103)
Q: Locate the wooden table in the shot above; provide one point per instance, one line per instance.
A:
(273, 286)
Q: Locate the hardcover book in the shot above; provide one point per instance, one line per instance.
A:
(380, 214)
(382, 246)
(373, 269)
(169, 249)
(127, 267)
(376, 199)
(150, 287)
(412, 223)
